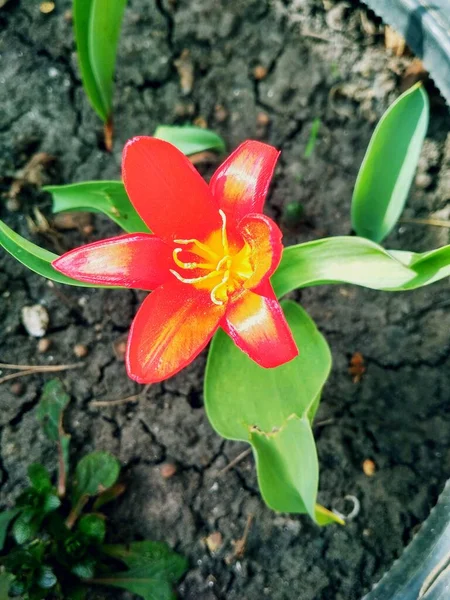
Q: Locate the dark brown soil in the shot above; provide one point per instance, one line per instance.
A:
(321, 61)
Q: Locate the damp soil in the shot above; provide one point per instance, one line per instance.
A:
(248, 69)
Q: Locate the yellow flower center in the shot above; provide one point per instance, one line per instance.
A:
(226, 265)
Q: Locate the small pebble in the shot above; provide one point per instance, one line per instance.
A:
(214, 541)
(369, 467)
(17, 388)
(220, 113)
(259, 72)
(262, 119)
(168, 470)
(80, 350)
(43, 345)
(120, 347)
(47, 7)
(35, 319)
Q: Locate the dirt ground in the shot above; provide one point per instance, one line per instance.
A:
(249, 69)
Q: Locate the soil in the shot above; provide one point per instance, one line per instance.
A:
(323, 60)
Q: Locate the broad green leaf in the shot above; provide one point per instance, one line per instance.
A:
(97, 26)
(95, 473)
(108, 197)
(423, 570)
(153, 569)
(189, 139)
(47, 578)
(271, 409)
(389, 165)
(50, 411)
(35, 258)
(360, 262)
(93, 526)
(39, 477)
(5, 519)
(26, 526)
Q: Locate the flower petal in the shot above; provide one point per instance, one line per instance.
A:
(258, 327)
(241, 183)
(264, 238)
(171, 328)
(136, 260)
(167, 191)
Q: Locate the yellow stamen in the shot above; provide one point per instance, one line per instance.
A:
(199, 245)
(224, 232)
(195, 279)
(189, 265)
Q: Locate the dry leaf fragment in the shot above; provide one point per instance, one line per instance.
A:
(214, 541)
(185, 69)
(394, 41)
(357, 367)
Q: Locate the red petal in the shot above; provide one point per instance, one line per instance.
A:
(264, 239)
(137, 260)
(167, 191)
(171, 328)
(241, 183)
(258, 327)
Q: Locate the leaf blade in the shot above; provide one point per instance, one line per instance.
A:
(388, 168)
(358, 261)
(261, 403)
(190, 139)
(95, 473)
(108, 197)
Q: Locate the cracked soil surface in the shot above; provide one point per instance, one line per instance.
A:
(249, 69)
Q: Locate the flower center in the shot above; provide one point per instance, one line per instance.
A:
(223, 266)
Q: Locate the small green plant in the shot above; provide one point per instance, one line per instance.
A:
(52, 543)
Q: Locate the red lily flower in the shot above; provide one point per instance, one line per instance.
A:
(208, 260)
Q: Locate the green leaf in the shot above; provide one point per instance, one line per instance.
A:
(52, 404)
(76, 592)
(5, 519)
(46, 578)
(51, 503)
(271, 409)
(93, 526)
(153, 568)
(35, 258)
(423, 571)
(312, 137)
(97, 26)
(108, 197)
(95, 473)
(189, 139)
(5, 582)
(389, 165)
(25, 526)
(39, 477)
(360, 262)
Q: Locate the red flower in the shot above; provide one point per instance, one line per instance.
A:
(208, 261)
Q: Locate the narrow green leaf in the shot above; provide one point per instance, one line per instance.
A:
(312, 137)
(360, 262)
(108, 197)
(422, 572)
(50, 411)
(270, 408)
(189, 139)
(5, 520)
(153, 568)
(97, 26)
(35, 258)
(389, 165)
(95, 473)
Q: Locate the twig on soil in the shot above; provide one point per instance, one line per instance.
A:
(433, 222)
(24, 370)
(235, 461)
(119, 401)
(240, 544)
